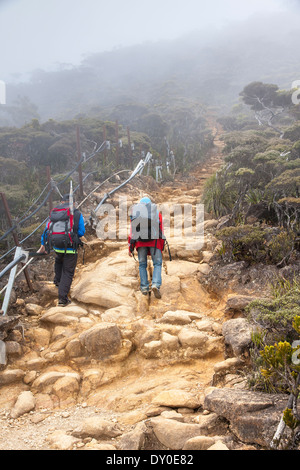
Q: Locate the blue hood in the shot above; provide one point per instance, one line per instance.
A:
(145, 200)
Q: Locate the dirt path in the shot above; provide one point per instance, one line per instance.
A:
(129, 390)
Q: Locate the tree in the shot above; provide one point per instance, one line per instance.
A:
(268, 102)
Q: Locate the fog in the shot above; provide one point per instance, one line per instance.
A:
(64, 58)
(56, 34)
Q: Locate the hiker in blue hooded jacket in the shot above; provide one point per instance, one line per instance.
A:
(66, 252)
(153, 246)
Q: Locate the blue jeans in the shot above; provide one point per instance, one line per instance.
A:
(157, 264)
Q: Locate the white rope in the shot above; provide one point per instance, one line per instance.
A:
(99, 186)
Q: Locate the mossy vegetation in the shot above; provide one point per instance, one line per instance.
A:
(263, 244)
(257, 190)
(277, 313)
(275, 351)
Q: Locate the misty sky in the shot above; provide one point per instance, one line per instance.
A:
(44, 33)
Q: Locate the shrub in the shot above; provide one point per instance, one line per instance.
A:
(276, 314)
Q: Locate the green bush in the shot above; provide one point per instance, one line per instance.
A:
(276, 314)
(277, 321)
(256, 244)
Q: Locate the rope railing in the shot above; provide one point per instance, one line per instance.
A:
(54, 186)
(23, 256)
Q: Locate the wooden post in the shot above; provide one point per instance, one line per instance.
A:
(79, 156)
(105, 149)
(129, 146)
(49, 186)
(117, 144)
(15, 237)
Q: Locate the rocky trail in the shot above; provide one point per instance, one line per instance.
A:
(118, 371)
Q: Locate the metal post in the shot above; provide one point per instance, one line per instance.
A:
(129, 146)
(79, 156)
(20, 255)
(117, 143)
(3, 359)
(49, 186)
(16, 260)
(9, 218)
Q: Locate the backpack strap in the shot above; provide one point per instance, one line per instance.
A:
(75, 239)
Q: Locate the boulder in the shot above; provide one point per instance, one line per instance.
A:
(228, 365)
(253, 416)
(238, 339)
(7, 323)
(190, 337)
(231, 270)
(102, 340)
(237, 302)
(199, 443)
(24, 404)
(13, 348)
(169, 342)
(219, 445)
(177, 399)
(152, 349)
(203, 269)
(135, 439)
(60, 440)
(66, 389)
(64, 315)
(230, 403)
(11, 376)
(108, 283)
(48, 379)
(178, 317)
(182, 268)
(33, 309)
(120, 314)
(173, 434)
(97, 428)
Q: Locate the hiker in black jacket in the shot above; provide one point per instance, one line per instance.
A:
(70, 228)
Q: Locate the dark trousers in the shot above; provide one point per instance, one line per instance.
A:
(64, 268)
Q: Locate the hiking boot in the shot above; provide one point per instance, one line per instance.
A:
(156, 292)
(145, 292)
(63, 303)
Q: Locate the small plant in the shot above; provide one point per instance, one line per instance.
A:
(281, 366)
(281, 247)
(257, 244)
(282, 286)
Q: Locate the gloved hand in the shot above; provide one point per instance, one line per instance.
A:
(131, 248)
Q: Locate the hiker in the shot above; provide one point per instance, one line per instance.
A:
(63, 232)
(146, 235)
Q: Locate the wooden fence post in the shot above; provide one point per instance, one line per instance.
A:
(79, 156)
(129, 146)
(105, 148)
(117, 144)
(49, 186)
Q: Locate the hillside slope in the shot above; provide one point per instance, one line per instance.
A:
(116, 370)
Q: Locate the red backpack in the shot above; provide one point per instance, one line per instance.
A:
(60, 228)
